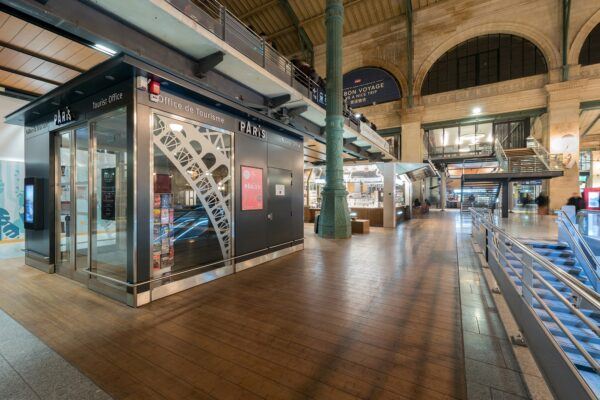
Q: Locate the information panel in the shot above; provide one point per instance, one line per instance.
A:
(252, 188)
(107, 206)
(368, 86)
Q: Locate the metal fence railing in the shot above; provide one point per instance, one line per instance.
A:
(213, 16)
(556, 312)
(217, 19)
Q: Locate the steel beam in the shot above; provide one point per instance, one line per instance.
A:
(258, 9)
(566, 11)
(409, 50)
(89, 24)
(305, 42)
(315, 17)
(18, 93)
(40, 57)
(30, 76)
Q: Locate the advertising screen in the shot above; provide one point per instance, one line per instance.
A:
(29, 209)
(252, 189)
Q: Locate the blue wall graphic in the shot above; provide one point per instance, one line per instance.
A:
(12, 174)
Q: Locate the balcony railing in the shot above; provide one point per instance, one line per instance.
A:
(214, 17)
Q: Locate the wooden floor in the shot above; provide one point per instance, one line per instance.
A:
(373, 317)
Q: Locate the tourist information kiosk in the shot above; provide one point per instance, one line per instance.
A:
(144, 184)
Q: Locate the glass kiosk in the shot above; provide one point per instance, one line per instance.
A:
(141, 190)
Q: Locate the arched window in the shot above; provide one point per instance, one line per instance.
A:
(590, 52)
(482, 60)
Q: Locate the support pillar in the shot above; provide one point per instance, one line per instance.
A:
(443, 190)
(563, 138)
(505, 198)
(412, 135)
(334, 221)
(389, 195)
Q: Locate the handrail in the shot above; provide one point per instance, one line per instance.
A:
(593, 363)
(500, 155)
(183, 271)
(501, 242)
(550, 161)
(580, 242)
(591, 296)
(217, 19)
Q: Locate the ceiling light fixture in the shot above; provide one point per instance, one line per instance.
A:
(104, 49)
(476, 110)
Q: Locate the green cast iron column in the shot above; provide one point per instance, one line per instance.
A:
(335, 217)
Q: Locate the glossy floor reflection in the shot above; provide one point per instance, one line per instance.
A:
(373, 317)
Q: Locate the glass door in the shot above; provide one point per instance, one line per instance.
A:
(109, 257)
(63, 225)
(72, 226)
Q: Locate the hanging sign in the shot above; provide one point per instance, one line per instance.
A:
(252, 189)
(369, 86)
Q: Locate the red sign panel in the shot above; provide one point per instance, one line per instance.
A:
(252, 189)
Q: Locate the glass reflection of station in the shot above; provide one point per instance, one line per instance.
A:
(147, 184)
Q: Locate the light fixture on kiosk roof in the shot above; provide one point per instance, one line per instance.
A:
(357, 115)
(104, 49)
(476, 110)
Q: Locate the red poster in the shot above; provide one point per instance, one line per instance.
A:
(252, 189)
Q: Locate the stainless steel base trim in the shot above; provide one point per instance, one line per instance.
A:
(241, 266)
(186, 283)
(183, 284)
(42, 265)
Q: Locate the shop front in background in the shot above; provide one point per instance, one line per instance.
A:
(364, 184)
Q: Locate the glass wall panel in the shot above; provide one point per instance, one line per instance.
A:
(451, 141)
(192, 199)
(109, 222)
(82, 142)
(63, 198)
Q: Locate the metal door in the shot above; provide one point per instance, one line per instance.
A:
(279, 216)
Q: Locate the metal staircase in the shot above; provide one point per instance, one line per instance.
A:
(479, 195)
(551, 289)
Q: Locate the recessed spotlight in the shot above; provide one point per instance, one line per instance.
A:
(476, 110)
(357, 115)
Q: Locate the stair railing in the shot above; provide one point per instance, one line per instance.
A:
(581, 249)
(500, 155)
(525, 289)
(550, 161)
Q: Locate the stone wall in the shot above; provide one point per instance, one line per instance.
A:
(441, 26)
